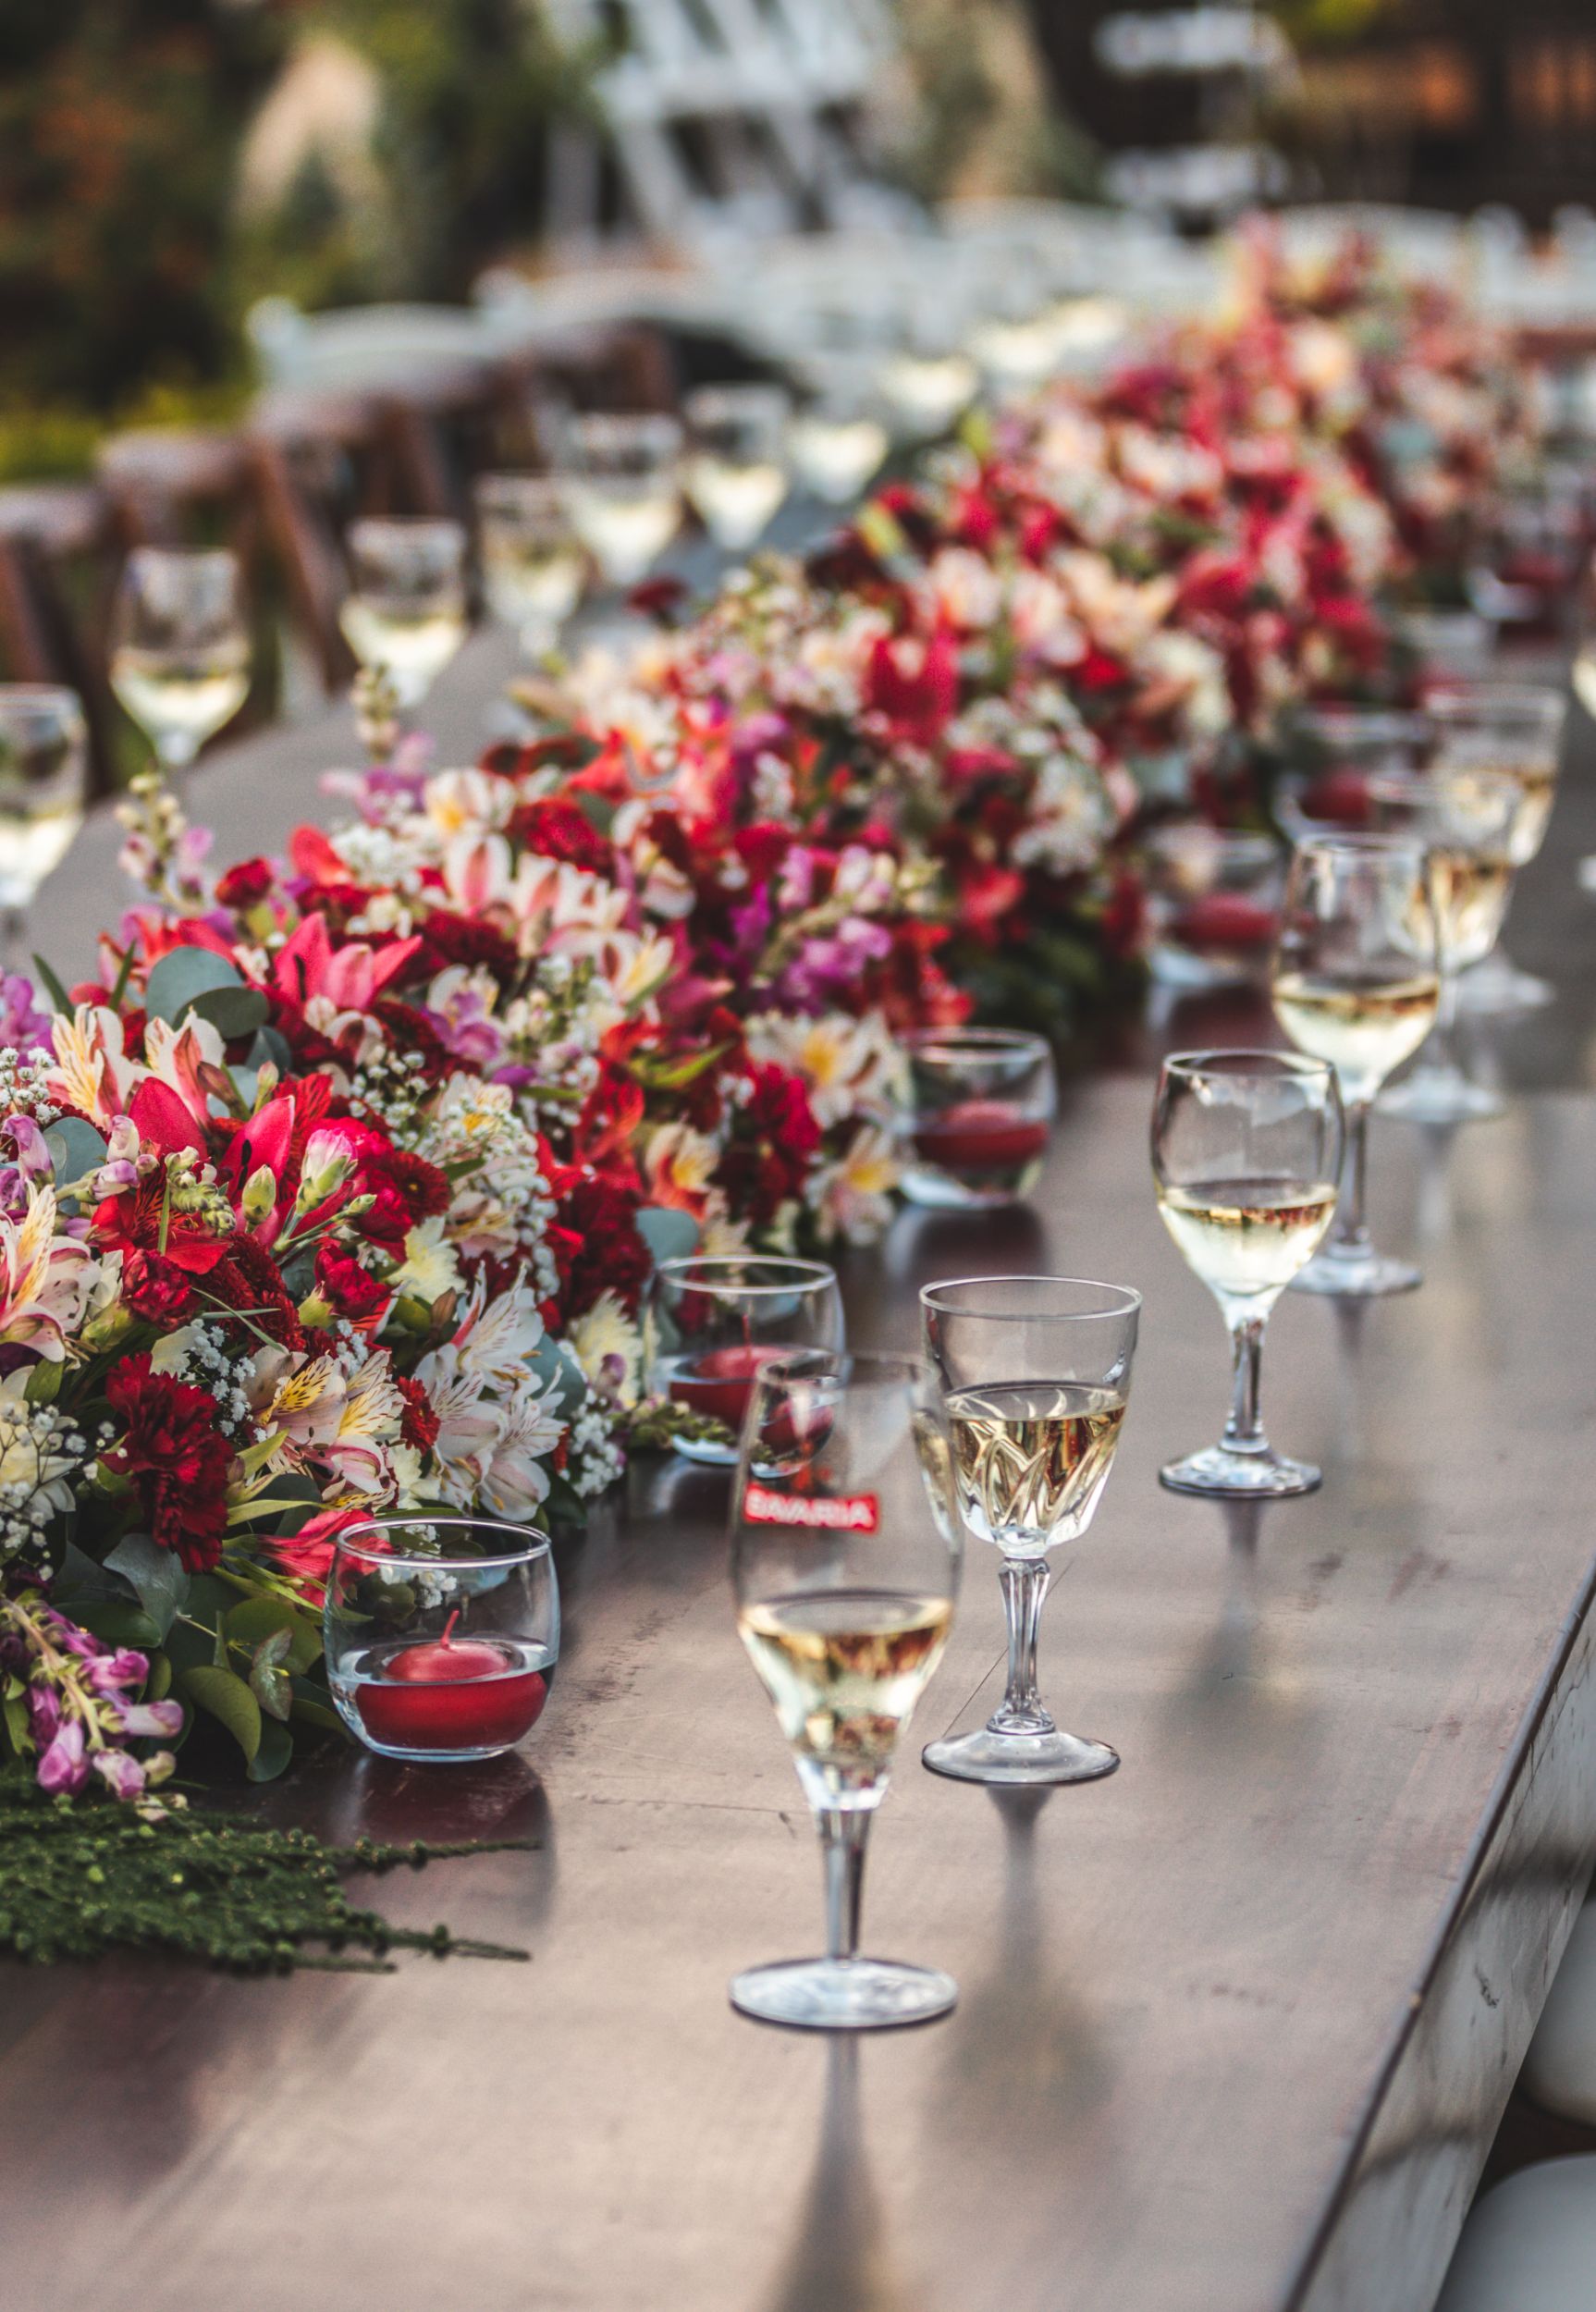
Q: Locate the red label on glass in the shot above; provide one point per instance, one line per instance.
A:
(843, 1513)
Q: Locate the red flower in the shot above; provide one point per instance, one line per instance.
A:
(562, 830)
(419, 1426)
(247, 884)
(177, 1458)
(156, 1288)
(914, 685)
(347, 1288)
(596, 1243)
(249, 1279)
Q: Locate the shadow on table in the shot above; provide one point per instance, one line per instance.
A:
(838, 2260)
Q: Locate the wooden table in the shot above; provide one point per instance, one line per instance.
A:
(1235, 2025)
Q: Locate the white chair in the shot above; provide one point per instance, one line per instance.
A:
(363, 349)
(1529, 2245)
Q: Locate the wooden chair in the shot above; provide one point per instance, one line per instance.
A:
(56, 549)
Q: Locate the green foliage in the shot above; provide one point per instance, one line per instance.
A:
(87, 1876)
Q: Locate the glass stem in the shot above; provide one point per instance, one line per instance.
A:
(1351, 1233)
(1244, 1430)
(1024, 1581)
(843, 1833)
(1442, 1055)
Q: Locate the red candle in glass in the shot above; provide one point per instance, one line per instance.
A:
(981, 1136)
(449, 1693)
(720, 1382)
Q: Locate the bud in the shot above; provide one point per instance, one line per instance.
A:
(260, 1195)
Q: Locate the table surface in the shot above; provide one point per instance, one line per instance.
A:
(1183, 1990)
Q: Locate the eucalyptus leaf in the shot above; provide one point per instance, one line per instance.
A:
(270, 1044)
(269, 1679)
(255, 1620)
(312, 1706)
(229, 1700)
(232, 1011)
(118, 1622)
(274, 1755)
(181, 977)
(75, 1148)
(157, 1574)
(670, 1234)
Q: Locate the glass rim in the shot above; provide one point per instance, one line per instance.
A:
(436, 528)
(38, 694)
(1259, 1065)
(1123, 1299)
(537, 1543)
(1006, 1039)
(1535, 701)
(507, 481)
(185, 557)
(799, 1272)
(1251, 841)
(1351, 720)
(1370, 842)
(618, 425)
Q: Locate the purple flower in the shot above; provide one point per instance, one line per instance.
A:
(63, 1766)
(44, 1714)
(123, 1773)
(113, 1671)
(152, 1717)
(21, 1024)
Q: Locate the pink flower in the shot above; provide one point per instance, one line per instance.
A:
(63, 1766)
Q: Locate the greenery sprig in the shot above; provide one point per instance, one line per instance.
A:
(82, 1877)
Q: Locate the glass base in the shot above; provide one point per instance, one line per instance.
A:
(989, 1756)
(844, 1994)
(1359, 1274)
(1440, 1096)
(1257, 1476)
(1497, 986)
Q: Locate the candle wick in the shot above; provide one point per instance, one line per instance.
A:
(449, 1626)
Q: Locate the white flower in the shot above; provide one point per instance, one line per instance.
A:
(607, 1344)
(430, 1267)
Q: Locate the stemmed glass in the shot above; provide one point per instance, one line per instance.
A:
(714, 1322)
(405, 614)
(1034, 1374)
(534, 565)
(44, 789)
(1465, 819)
(621, 480)
(737, 470)
(1355, 982)
(1247, 1149)
(1514, 730)
(845, 1564)
(838, 440)
(179, 648)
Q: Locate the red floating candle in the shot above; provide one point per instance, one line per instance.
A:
(719, 1383)
(1224, 920)
(449, 1695)
(1338, 797)
(981, 1136)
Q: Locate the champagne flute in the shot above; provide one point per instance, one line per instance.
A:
(737, 475)
(533, 567)
(1515, 730)
(404, 616)
(1247, 1149)
(179, 648)
(1465, 819)
(44, 789)
(1355, 982)
(845, 1559)
(1034, 1373)
(621, 482)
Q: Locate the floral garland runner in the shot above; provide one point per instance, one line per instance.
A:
(340, 1186)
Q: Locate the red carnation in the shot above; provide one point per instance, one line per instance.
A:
(247, 884)
(249, 1279)
(177, 1458)
(562, 830)
(420, 1425)
(347, 1288)
(596, 1246)
(157, 1289)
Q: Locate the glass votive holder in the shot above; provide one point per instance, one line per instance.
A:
(441, 1635)
(715, 1321)
(1213, 903)
(980, 1110)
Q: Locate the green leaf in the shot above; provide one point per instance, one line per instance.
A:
(59, 999)
(118, 1622)
(232, 1011)
(274, 1756)
(157, 1574)
(75, 1148)
(43, 1385)
(254, 1619)
(268, 1679)
(14, 1713)
(881, 532)
(182, 976)
(312, 1706)
(158, 1685)
(229, 1700)
(670, 1234)
(271, 1044)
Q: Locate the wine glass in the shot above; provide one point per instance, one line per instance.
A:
(930, 381)
(1247, 1150)
(180, 647)
(404, 616)
(838, 441)
(1516, 729)
(43, 790)
(534, 566)
(1355, 982)
(1034, 1374)
(621, 482)
(736, 474)
(714, 1322)
(1465, 819)
(980, 1103)
(845, 1564)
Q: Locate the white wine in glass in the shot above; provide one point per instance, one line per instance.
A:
(736, 473)
(1247, 1149)
(1030, 1458)
(405, 614)
(838, 447)
(620, 479)
(44, 789)
(1355, 982)
(180, 647)
(534, 565)
(845, 1559)
(1512, 730)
